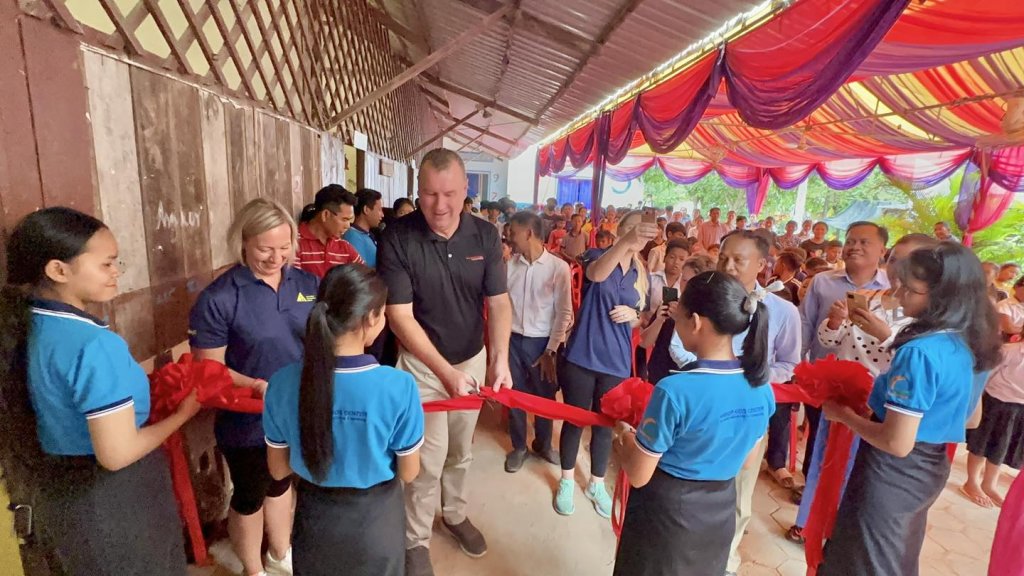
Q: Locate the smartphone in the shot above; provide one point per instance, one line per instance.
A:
(649, 217)
(669, 294)
(855, 300)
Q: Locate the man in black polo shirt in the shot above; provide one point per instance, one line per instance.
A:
(441, 267)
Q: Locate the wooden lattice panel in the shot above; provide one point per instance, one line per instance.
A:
(304, 59)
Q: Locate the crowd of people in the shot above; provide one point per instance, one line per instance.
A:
(347, 318)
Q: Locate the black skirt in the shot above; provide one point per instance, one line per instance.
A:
(676, 527)
(882, 519)
(1000, 436)
(89, 520)
(361, 531)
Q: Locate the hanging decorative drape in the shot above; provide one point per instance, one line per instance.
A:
(774, 77)
(801, 63)
(983, 198)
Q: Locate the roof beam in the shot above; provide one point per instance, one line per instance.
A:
(441, 134)
(399, 29)
(480, 129)
(457, 136)
(478, 98)
(528, 22)
(627, 7)
(421, 66)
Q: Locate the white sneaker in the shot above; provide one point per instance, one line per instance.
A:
(282, 567)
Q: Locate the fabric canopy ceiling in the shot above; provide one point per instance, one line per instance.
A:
(836, 88)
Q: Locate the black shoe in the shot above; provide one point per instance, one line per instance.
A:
(469, 538)
(546, 453)
(514, 460)
(417, 562)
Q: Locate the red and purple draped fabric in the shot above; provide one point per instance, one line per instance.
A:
(664, 123)
(630, 168)
(920, 171)
(781, 72)
(758, 191)
(987, 189)
(684, 171)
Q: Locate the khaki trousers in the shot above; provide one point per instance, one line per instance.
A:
(746, 481)
(445, 456)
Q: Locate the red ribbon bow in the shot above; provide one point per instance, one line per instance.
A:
(847, 383)
(169, 386)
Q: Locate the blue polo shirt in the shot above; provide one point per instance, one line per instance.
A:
(932, 378)
(597, 343)
(78, 370)
(704, 421)
(364, 243)
(262, 329)
(377, 417)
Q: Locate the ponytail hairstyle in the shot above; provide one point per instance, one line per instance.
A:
(955, 283)
(642, 284)
(50, 234)
(348, 295)
(723, 301)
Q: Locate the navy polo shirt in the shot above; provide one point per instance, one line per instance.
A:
(78, 370)
(703, 422)
(932, 378)
(377, 417)
(597, 343)
(364, 243)
(445, 279)
(262, 329)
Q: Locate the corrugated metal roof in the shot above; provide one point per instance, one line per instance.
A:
(544, 61)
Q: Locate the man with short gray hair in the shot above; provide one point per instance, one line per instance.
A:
(454, 262)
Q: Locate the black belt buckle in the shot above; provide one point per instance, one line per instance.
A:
(23, 520)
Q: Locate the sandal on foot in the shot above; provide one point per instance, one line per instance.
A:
(795, 534)
(784, 478)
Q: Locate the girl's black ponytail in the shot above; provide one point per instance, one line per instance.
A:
(316, 394)
(755, 348)
(348, 295)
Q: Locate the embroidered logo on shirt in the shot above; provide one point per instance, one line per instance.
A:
(474, 258)
(899, 388)
(303, 298)
(642, 429)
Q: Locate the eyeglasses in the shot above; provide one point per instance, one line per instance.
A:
(904, 288)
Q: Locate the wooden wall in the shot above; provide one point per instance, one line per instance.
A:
(173, 163)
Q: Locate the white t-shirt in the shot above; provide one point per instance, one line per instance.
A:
(1007, 381)
(1015, 310)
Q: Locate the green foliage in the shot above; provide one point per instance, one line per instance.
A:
(1003, 242)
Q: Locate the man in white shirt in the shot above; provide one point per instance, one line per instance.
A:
(712, 231)
(540, 288)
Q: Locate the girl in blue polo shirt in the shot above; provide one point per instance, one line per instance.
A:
(697, 433)
(599, 354)
(349, 429)
(89, 478)
(927, 398)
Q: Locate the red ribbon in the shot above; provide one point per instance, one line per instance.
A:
(848, 383)
(214, 389)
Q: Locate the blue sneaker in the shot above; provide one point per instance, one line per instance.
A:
(599, 496)
(564, 498)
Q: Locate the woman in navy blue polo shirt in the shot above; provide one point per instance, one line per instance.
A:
(350, 429)
(252, 319)
(73, 448)
(599, 354)
(697, 432)
(927, 398)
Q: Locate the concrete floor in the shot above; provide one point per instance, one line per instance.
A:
(527, 538)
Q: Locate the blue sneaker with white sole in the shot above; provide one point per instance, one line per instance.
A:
(565, 497)
(597, 494)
